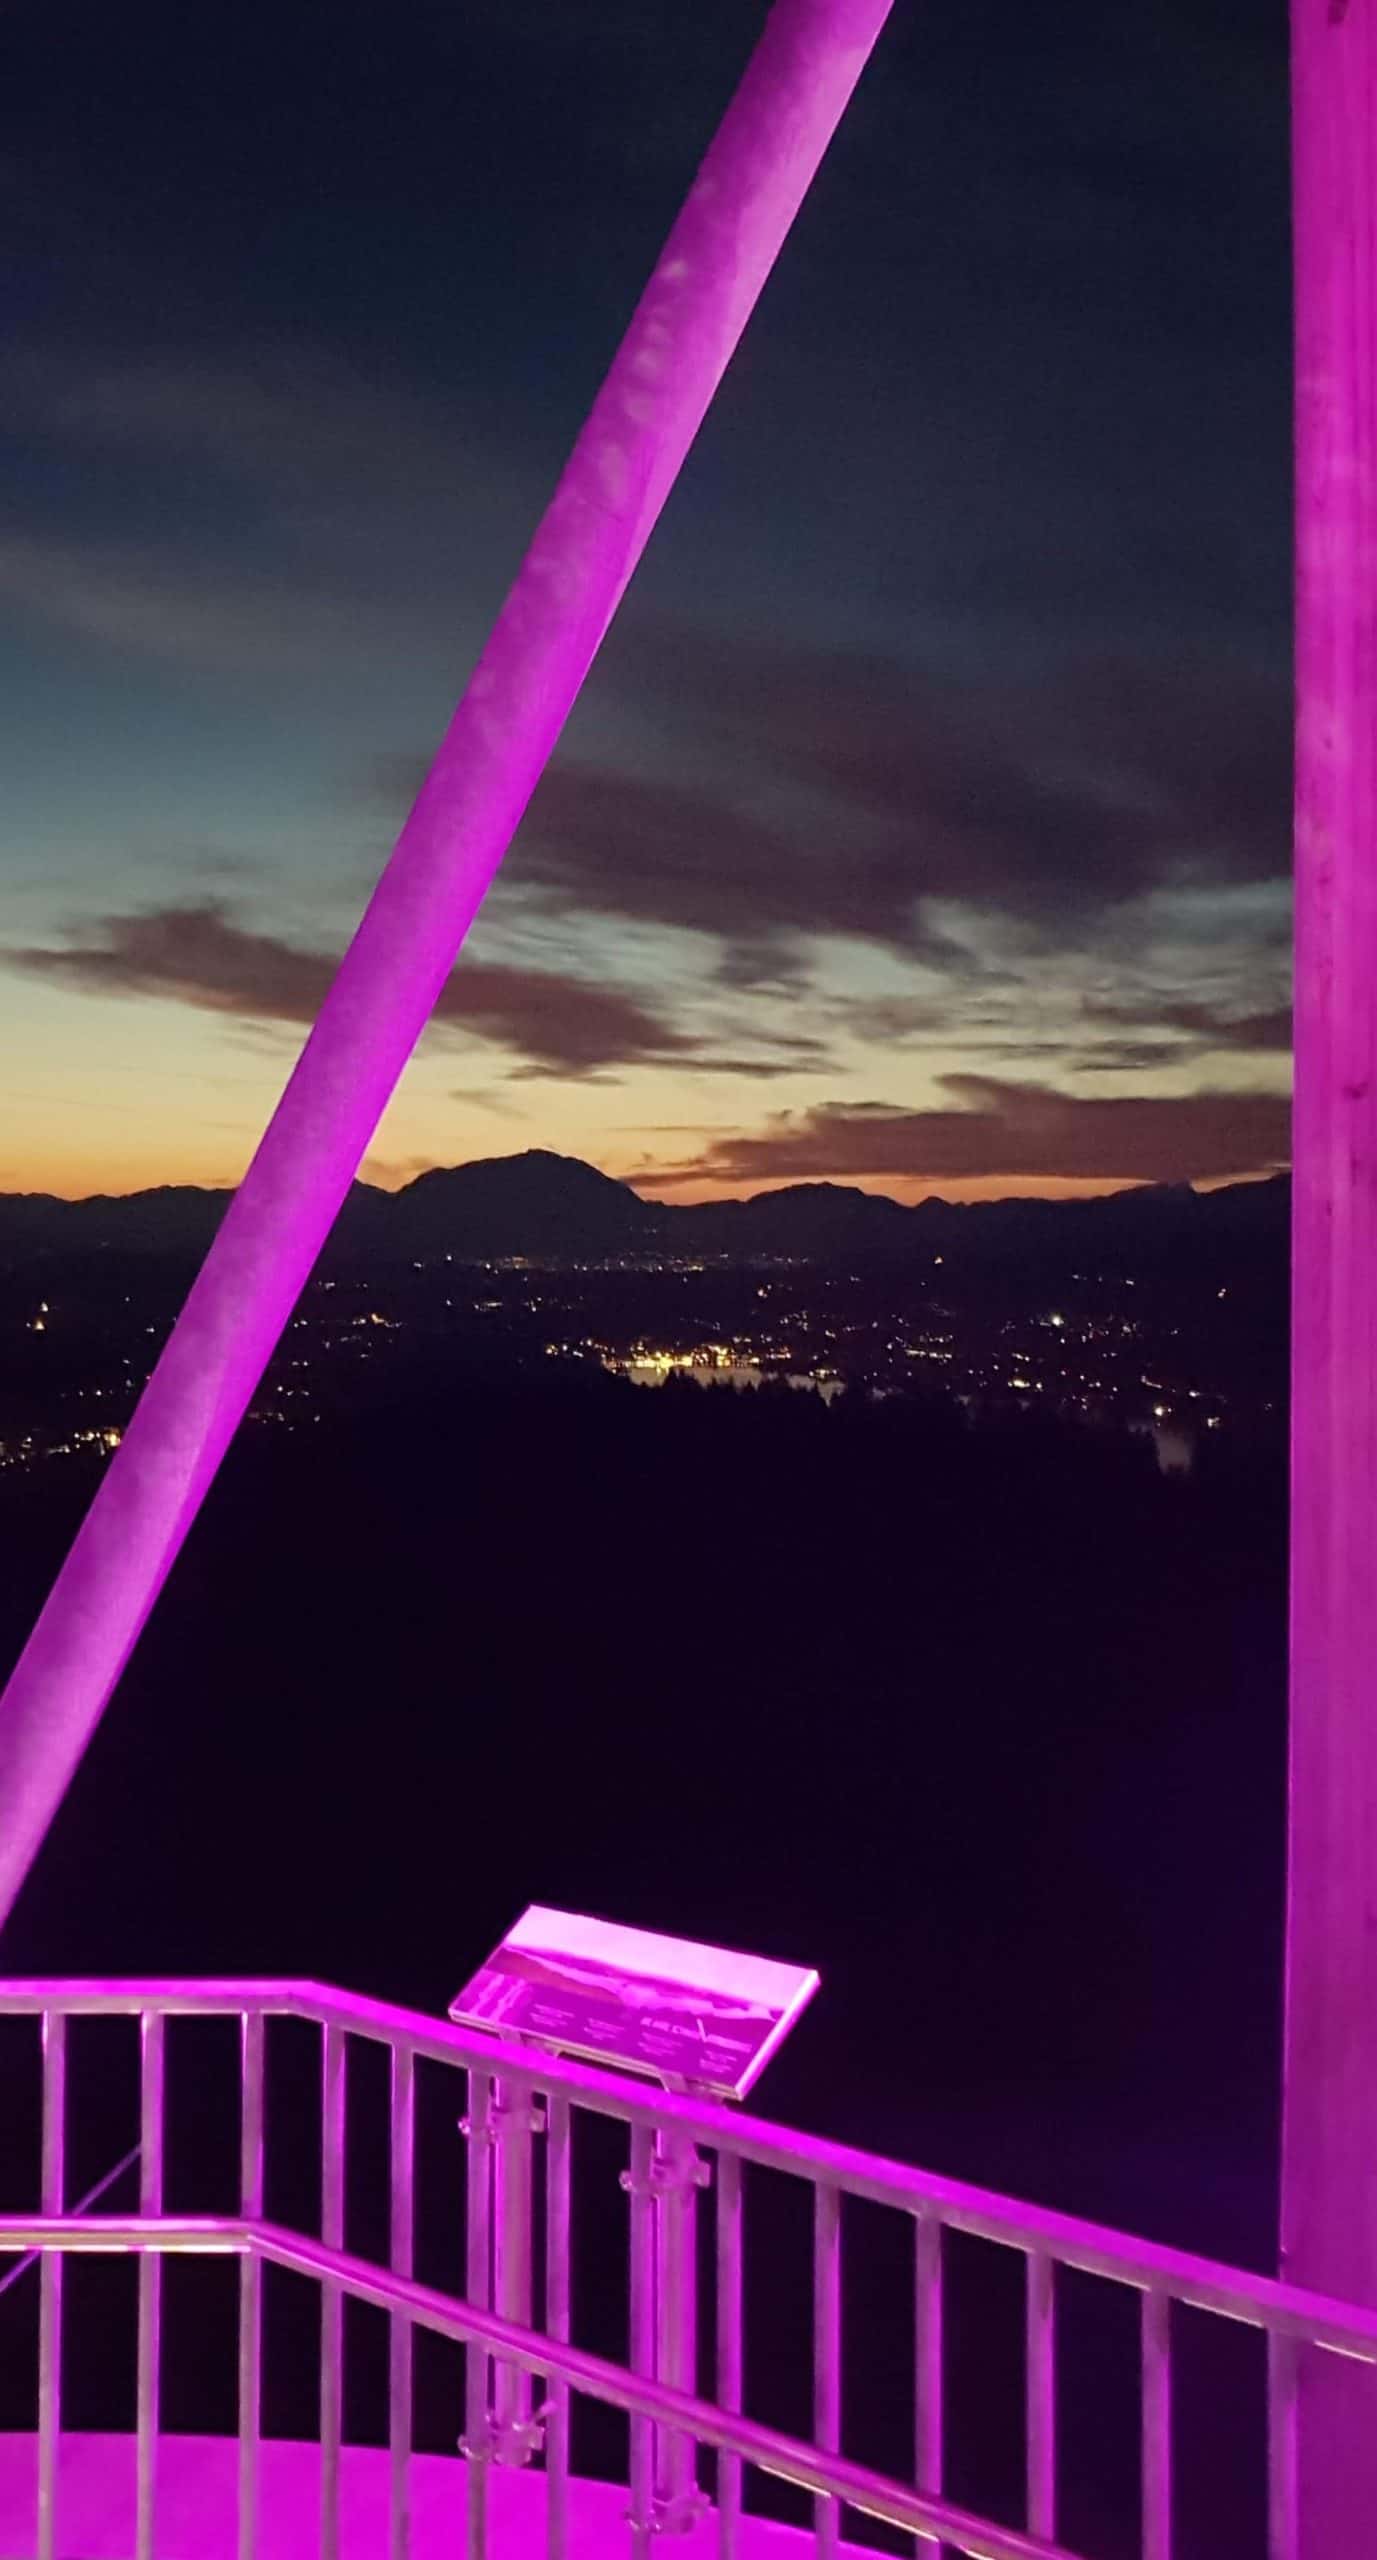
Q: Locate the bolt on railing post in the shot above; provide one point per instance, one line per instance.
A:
(250, 2278)
(50, 2279)
(151, 2058)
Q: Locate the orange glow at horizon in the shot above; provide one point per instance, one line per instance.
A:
(905, 1188)
(83, 1168)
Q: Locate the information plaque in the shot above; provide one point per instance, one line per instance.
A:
(695, 2017)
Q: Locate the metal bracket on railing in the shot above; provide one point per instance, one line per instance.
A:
(502, 2426)
(668, 2190)
(671, 2172)
(503, 2116)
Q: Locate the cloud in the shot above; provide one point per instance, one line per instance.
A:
(198, 955)
(993, 1127)
(764, 1070)
(805, 795)
(1085, 782)
(286, 419)
(663, 852)
(266, 508)
(1206, 1027)
(650, 849)
(163, 604)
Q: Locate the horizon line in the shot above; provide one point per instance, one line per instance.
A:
(1055, 1190)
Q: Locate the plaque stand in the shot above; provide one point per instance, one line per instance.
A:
(701, 2020)
(500, 2424)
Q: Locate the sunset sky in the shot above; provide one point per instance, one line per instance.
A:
(925, 822)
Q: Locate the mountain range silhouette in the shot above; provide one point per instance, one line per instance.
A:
(558, 1209)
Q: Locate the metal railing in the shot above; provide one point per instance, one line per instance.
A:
(511, 2218)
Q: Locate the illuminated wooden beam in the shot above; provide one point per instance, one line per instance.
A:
(622, 469)
(1329, 2178)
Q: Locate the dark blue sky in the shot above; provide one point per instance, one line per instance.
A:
(926, 820)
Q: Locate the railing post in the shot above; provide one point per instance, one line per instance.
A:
(729, 2346)
(639, 2185)
(1156, 2425)
(1041, 2412)
(927, 2357)
(827, 2349)
(1283, 2484)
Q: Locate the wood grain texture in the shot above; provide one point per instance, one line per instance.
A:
(1329, 2198)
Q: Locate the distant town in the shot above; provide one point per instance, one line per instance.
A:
(1160, 1314)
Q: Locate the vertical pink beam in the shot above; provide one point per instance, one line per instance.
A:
(1329, 2169)
(623, 466)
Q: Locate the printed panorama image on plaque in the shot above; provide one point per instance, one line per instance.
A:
(694, 2016)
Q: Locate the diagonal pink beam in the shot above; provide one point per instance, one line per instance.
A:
(619, 475)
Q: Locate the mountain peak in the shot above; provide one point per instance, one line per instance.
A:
(529, 1167)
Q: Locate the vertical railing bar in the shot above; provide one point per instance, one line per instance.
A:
(250, 2278)
(729, 2345)
(641, 2286)
(1156, 2425)
(558, 2282)
(677, 2174)
(927, 2354)
(332, 2137)
(152, 2055)
(1283, 2506)
(1041, 2393)
(402, 2259)
(478, 2286)
(827, 2206)
(50, 2279)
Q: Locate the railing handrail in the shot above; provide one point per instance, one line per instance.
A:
(807, 2466)
(1147, 2266)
